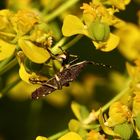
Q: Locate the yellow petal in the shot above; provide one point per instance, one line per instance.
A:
(105, 128)
(34, 53)
(41, 138)
(24, 75)
(6, 49)
(129, 41)
(111, 43)
(76, 110)
(19, 93)
(73, 25)
(71, 136)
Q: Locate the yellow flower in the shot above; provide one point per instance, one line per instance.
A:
(96, 10)
(129, 41)
(24, 20)
(24, 75)
(93, 135)
(71, 136)
(6, 30)
(16, 4)
(103, 40)
(118, 113)
(41, 138)
(24, 29)
(120, 4)
(97, 21)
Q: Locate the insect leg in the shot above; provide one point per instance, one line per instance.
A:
(41, 82)
(49, 85)
(58, 82)
(37, 81)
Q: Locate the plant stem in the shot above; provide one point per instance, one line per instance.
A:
(93, 115)
(8, 66)
(9, 86)
(72, 42)
(4, 62)
(61, 9)
(116, 98)
(56, 49)
(58, 135)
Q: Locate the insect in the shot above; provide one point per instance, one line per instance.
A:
(68, 74)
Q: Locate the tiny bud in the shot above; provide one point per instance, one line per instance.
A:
(99, 31)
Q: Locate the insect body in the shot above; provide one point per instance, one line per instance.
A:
(63, 78)
(68, 74)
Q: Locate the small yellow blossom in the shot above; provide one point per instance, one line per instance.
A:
(97, 21)
(24, 20)
(41, 138)
(18, 4)
(93, 135)
(120, 4)
(73, 25)
(24, 30)
(118, 113)
(129, 41)
(71, 136)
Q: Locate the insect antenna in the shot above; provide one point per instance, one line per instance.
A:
(99, 64)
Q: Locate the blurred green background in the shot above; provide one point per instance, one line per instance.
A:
(26, 119)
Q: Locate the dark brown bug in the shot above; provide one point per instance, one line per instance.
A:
(62, 78)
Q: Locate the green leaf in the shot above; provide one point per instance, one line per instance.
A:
(72, 25)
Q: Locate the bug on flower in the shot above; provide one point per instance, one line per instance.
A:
(66, 75)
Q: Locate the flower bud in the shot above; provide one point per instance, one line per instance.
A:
(99, 31)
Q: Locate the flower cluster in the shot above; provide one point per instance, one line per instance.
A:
(25, 34)
(97, 19)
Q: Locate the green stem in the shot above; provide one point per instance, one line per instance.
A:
(91, 118)
(72, 42)
(8, 66)
(4, 62)
(58, 135)
(9, 86)
(56, 49)
(116, 98)
(61, 9)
